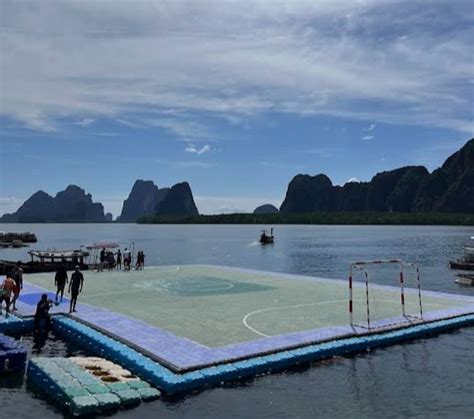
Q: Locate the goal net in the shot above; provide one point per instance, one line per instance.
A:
(372, 306)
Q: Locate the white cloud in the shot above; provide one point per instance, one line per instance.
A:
(231, 204)
(366, 60)
(193, 149)
(204, 149)
(85, 122)
(352, 179)
(367, 137)
(371, 127)
(9, 204)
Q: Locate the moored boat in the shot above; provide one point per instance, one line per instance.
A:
(467, 262)
(49, 261)
(465, 279)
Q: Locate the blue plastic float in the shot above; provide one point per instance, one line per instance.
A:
(171, 382)
(12, 354)
(75, 389)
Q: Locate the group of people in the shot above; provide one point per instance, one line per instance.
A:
(60, 281)
(111, 261)
(11, 288)
(13, 284)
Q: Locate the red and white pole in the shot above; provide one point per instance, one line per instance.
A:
(402, 290)
(351, 313)
(419, 289)
(367, 296)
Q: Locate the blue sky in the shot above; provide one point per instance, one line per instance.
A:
(236, 97)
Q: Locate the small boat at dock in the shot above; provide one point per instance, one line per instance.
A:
(49, 261)
(465, 279)
(466, 263)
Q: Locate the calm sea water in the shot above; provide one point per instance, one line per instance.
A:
(426, 378)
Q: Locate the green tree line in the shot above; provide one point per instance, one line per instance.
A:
(345, 218)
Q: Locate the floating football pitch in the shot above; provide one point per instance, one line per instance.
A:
(193, 315)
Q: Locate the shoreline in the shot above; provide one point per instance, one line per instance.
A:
(334, 218)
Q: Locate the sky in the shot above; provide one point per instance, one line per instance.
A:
(235, 97)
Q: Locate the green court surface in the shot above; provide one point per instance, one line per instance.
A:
(217, 306)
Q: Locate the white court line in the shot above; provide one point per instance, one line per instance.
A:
(246, 317)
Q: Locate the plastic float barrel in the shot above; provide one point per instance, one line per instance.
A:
(83, 405)
(70, 385)
(107, 401)
(148, 393)
(12, 354)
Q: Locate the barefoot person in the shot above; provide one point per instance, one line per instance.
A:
(17, 276)
(75, 288)
(60, 280)
(127, 260)
(6, 290)
(119, 260)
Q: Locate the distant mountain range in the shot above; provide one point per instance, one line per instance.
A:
(74, 205)
(408, 189)
(449, 188)
(70, 205)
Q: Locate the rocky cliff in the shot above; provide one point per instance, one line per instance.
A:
(451, 187)
(408, 189)
(147, 199)
(177, 201)
(70, 205)
(266, 209)
(142, 200)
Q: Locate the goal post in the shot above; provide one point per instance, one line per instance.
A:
(363, 267)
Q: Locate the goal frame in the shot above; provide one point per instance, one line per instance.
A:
(362, 266)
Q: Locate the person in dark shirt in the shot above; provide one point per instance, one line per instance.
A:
(102, 259)
(119, 260)
(75, 288)
(139, 260)
(17, 276)
(42, 313)
(60, 280)
(127, 260)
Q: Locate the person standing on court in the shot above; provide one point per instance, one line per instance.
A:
(139, 260)
(127, 260)
(17, 276)
(102, 259)
(119, 260)
(75, 288)
(60, 280)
